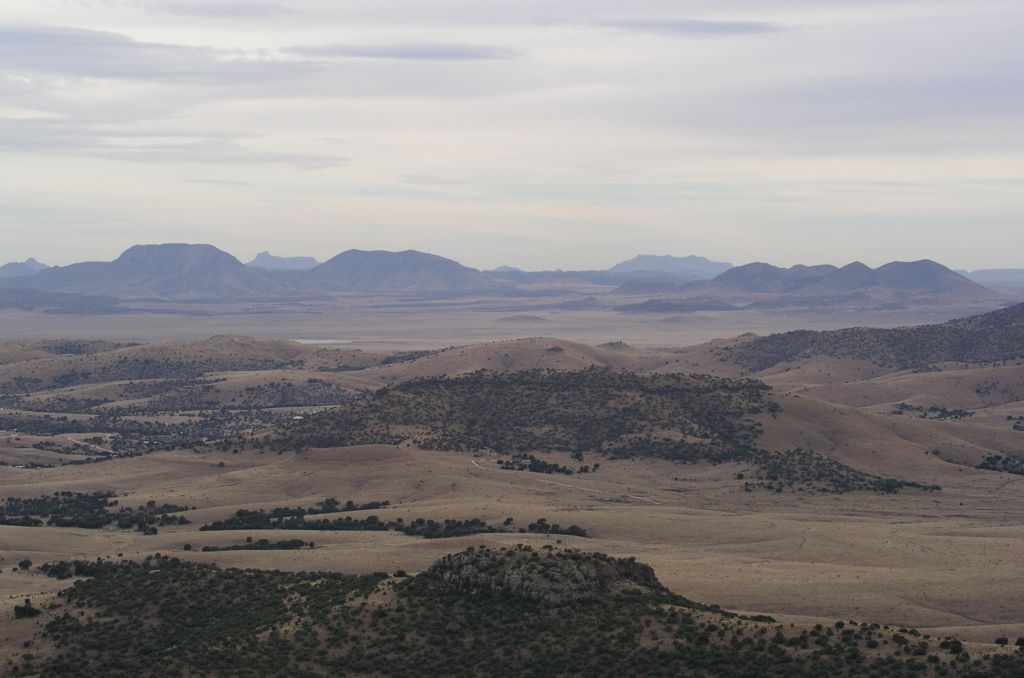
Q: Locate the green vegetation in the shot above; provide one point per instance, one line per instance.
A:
(995, 337)
(130, 437)
(276, 518)
(262, 545)
(26, 611)
(933, 412)
(141, 364)
(91, 511)
(533, 464)
(511, 612)
(685, 418)
(1002, 463)
(594, 410)
(797, 469)
(295, 519)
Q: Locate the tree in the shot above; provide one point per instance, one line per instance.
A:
(26, 611)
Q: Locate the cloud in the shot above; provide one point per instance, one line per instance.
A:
(41, 60)
(219, 182)
(219, 8)
(150, 146)
(694, 27)
(417, 51)
(75, 52)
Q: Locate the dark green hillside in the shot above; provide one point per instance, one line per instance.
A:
(513, 612)
(990, 338)
(595, 410)
(693, 418)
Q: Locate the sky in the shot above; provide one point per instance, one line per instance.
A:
(534, 133)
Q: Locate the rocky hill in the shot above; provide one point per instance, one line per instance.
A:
(548, 577)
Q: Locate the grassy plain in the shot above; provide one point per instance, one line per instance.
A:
(945, 561)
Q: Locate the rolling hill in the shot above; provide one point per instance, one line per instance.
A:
(172, 360)
(595, 412)
(992, 337)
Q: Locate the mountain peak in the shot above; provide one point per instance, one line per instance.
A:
(269, 262)
(19, 268)
(690, 267)
(168, 252)
(856, 266)
(167, 270)
(368, 271)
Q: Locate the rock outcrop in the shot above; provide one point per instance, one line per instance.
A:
(546, 576)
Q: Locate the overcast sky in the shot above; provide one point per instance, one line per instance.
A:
(536, 133)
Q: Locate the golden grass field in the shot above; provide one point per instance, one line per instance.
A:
(947, 561)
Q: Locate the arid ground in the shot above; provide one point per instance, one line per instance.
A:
(945, 561)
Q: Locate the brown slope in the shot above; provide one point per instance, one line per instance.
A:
(170, 360)
(522, 354)
(992, 337)
(955, 387)
(901, 447)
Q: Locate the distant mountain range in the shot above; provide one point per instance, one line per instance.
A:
(1000, 279)
(897, 284)
(197, 272)
(190, 272)
(659, 274)
(268, 262)
(683, 268)
(16, 268)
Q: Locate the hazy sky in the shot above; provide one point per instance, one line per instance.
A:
(537, 133)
